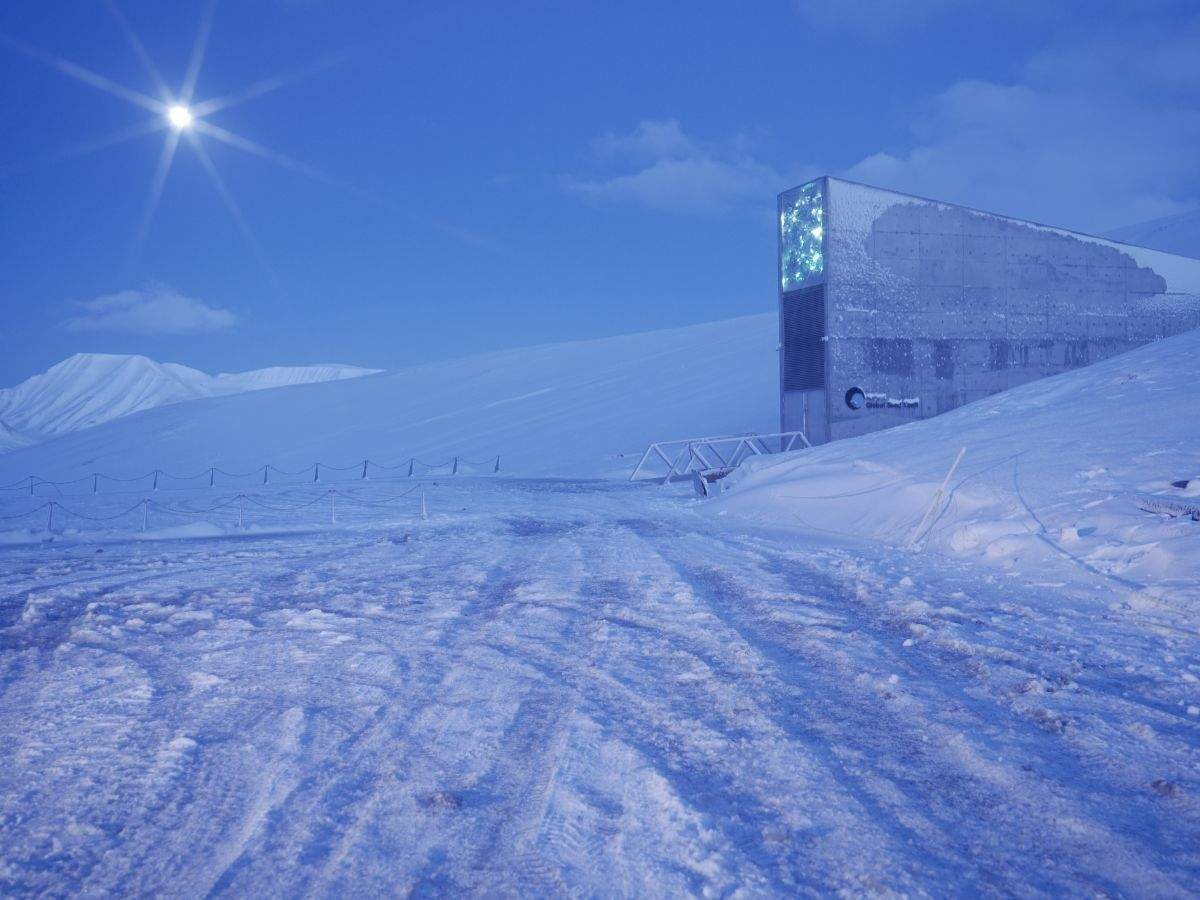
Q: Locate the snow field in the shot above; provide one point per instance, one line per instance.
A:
(565, 686)
(246, 505)
(1051, 482)
(584, 687)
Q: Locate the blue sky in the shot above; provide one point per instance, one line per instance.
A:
(476, 176)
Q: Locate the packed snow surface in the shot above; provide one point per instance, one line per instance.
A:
(571, 687)
(579, 408)
(300, 685)
(90, 388)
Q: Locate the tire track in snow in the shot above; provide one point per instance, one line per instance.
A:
(1002, 652)
(967, 795)
(322, 818)
(478, 807)
(612, 706)
(141, 835)
(720, 743)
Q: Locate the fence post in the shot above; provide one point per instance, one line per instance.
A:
(95, 482)
(50, 518)
(497, 469)
(411, 460)
(156, 479)
(267, 466)
(30, 485)
(454, 471)
(145, 514)
(241, 510)
(937, 499)
(333, 507)
(316, 472)
(212, 476)
(424, 511)
(364, 474)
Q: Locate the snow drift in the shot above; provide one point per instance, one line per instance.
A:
(579, 408)
(90, 388)
(1055, 470)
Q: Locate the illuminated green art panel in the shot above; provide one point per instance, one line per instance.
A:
(801, 229)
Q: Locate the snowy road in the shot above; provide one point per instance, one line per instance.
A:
(582, 688)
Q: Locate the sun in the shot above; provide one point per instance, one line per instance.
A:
(180, 116)
(184, 118)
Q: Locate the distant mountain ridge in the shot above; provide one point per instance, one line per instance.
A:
(91, 388)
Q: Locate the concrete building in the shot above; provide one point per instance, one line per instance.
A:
(894, 308)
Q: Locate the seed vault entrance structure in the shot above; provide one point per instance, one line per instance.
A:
(894, 307)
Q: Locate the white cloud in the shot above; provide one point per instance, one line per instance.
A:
(651, 140)
(675, 172)
(687, 185)
(1094, 135)
(156, 309)
(1096, 130)
(1144, 59)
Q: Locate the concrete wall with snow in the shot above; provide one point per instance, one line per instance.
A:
(929, 306)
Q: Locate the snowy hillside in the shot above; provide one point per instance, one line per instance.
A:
(1172, 234)
(283, 376)
(90, 388)
(10, 438)
(332, 690)
(1053, 472)
(579, 408)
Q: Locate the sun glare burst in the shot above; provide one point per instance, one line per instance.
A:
(179, 116)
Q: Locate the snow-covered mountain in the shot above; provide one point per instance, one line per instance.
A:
(578, 408)
(90, 388)
(1171, 234)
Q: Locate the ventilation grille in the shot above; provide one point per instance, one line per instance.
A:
(803, 313)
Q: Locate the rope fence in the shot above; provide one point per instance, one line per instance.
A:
(159, 479)
(59, 514)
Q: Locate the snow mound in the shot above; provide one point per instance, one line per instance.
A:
(90, 388)
(580, 408)
(1057, 471)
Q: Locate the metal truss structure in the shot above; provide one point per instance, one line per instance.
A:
(684, 457)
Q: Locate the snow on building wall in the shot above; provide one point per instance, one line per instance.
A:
(894, 307)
